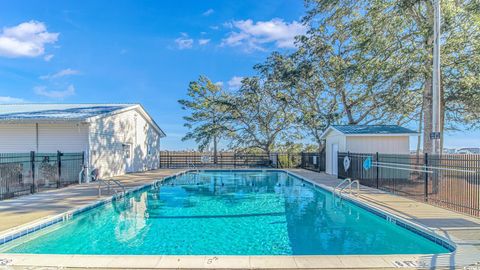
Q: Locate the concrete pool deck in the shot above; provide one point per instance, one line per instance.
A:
(462, 230)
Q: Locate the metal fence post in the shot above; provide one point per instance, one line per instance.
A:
(32, 168)
(425, 161)
(319, 162)
(301, 160)
(349, 171)
(377, 168)
(59, 167)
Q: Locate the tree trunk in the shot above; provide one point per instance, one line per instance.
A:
(427, 115)
(215, 154)
(420, 127)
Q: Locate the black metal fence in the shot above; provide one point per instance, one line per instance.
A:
(313, 161)
(224, 159)
(228, 160)
(451, 181)
(25, 173)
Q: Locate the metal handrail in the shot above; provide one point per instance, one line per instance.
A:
(190, 163)
(350, 187)
(341, 183)
(107, 183)
(80, 175)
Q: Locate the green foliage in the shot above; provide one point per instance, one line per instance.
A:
(357, 61)
(295, 148)
(297, 78)
(361, 62)
(260, 114)
(208, 121)
(377, 57)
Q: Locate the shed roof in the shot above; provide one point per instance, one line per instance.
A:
(372, 129)
(377, 130)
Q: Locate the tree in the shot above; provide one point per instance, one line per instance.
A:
(380, 53)
(208, 121)
(358, 62)
(314, 107)
(459, 49)
(260, 114)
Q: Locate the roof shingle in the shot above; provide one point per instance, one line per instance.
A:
(373, 129)
(56, 111)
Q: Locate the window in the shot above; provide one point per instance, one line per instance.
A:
(127, 150)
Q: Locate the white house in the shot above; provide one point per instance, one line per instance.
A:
(116, 138)
(386, 139)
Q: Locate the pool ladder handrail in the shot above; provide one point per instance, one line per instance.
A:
(80, 175)
(108, 184)
(346, 180)
(349, 186)
(191, 165)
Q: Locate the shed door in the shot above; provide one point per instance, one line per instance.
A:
(334, 156)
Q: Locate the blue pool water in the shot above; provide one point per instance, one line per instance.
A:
(227, 213)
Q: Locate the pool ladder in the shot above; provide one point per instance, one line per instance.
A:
(108, 183)
(346, 183)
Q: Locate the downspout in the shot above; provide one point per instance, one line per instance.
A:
(36, 137)
(88, 161)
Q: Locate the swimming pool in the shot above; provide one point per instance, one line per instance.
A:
(227, 213)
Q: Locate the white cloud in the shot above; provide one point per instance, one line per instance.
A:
(61, 73)
(208, 12)
(27, 39)
(219, 84)
(252, 35)
(235, 82)
(57, 94)
(203, 41)
(48, 57)
(7, 100)
(184, 42)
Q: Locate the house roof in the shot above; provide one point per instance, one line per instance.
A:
(65, 112)
(377, 130)
(56, 111)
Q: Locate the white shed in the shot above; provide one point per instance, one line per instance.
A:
(386, 139)
(116, 138)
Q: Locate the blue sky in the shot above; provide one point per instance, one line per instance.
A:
(142, 52)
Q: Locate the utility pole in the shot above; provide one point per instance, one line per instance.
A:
(436, 134)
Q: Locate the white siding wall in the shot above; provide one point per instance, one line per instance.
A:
(381, 144)
(334, 137)
(20, 138)
(364, 144)
(109, 135)
(15, 138)
(62, 137)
